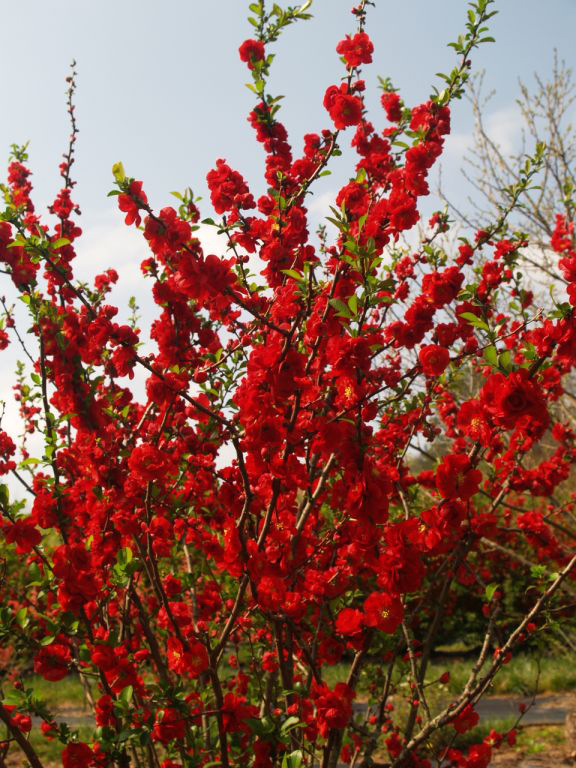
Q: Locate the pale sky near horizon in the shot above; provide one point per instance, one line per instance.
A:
(161, 88)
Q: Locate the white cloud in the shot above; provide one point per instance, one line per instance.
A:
(457, 145)
(504, 128)
(319, 208)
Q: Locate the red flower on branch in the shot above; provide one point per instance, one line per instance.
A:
(456, 479)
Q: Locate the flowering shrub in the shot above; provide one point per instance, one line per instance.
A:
(202, 557)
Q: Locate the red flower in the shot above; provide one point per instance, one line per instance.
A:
(472, 421)
(105, 711)
(22, 722)
(356, 50)
(334, 708)
(510, 398)
(455, 477)
(236, 712)
(7, 449)
(349, 622)
(355, 199)
(251, 51)
(132, 202)
(148, 462)
(434, 359)
(392, 104)
(228, 189)
(343, 108)
(52, 661)
(383, 612)
(166, 232)
(24, 534)
(191, 662)
(479, 756)
(466, 720)
(441, 288)
(169, 726)
(77, 755)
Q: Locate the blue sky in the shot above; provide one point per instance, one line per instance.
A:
(161, 88)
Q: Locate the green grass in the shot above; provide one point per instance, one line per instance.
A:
(67, 692)
(524, 674)
(541, 739)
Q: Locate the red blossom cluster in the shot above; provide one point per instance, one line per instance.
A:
(203, 554)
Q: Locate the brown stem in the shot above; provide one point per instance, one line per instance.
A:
(19, 737)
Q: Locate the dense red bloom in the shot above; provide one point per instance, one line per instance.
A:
(466, 720)
(77, 755)
(334, 708)
(479, 756)
(355, 199)
(22, 722)
(510, 398)
(392, 104)
(344, 108)
(356, 50)
(52, 662)
(24, 534)
(434, 359)
(349, 622)
(190, 662)
(206, 539)
(105, 711)
(236, 712)
(562, 240)
(228, 190)
(166, 232)
(132, 202)
(170, 725)
(472, 420)
(7, 449)
(148, 462)
(383, 612)
(455, 478)
(251, 51)
(442, 287)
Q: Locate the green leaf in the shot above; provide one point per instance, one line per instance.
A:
(13, 699)
(505, 361)
(118, 172)
(21, 617)
(341, 308)
(294, 274)
(290, 723)
(491, 356)
(490, 591)
(293, 760)
(474, 320)
(59, 243)
(538, 571)
(126, 694)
